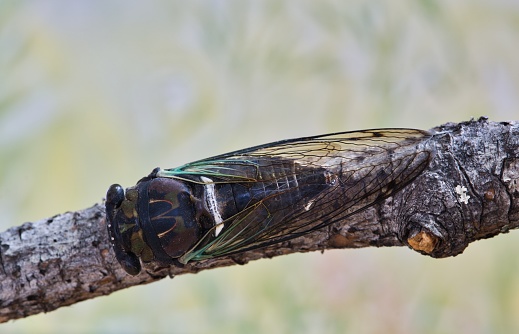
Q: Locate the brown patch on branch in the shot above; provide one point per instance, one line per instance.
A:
(423, 242)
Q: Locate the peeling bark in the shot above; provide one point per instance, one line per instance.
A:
(469, 191)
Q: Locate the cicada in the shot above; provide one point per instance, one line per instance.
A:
(259, 196)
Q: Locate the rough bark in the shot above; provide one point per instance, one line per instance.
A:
(469, 191)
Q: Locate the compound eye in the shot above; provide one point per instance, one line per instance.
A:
(114, 198)
(129, 261)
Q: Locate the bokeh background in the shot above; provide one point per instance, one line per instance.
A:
(98, 92)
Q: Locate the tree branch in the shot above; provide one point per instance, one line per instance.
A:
(469, 191)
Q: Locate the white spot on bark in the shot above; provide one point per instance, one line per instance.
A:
(212, 204)
(462, 192)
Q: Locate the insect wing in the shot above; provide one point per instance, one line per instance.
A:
(357, 168)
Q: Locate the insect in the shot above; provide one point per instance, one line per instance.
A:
(259, 196)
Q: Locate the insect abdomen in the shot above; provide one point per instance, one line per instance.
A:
(280, 185)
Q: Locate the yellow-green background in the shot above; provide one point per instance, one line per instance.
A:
(97, 92)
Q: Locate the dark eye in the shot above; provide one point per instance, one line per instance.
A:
(114, 198)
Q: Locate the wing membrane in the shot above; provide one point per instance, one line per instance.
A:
(361, 168)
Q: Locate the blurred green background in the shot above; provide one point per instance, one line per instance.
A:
(98, 92)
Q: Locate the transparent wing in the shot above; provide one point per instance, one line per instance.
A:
(355, 169)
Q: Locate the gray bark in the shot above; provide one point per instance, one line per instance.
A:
(469, 191)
